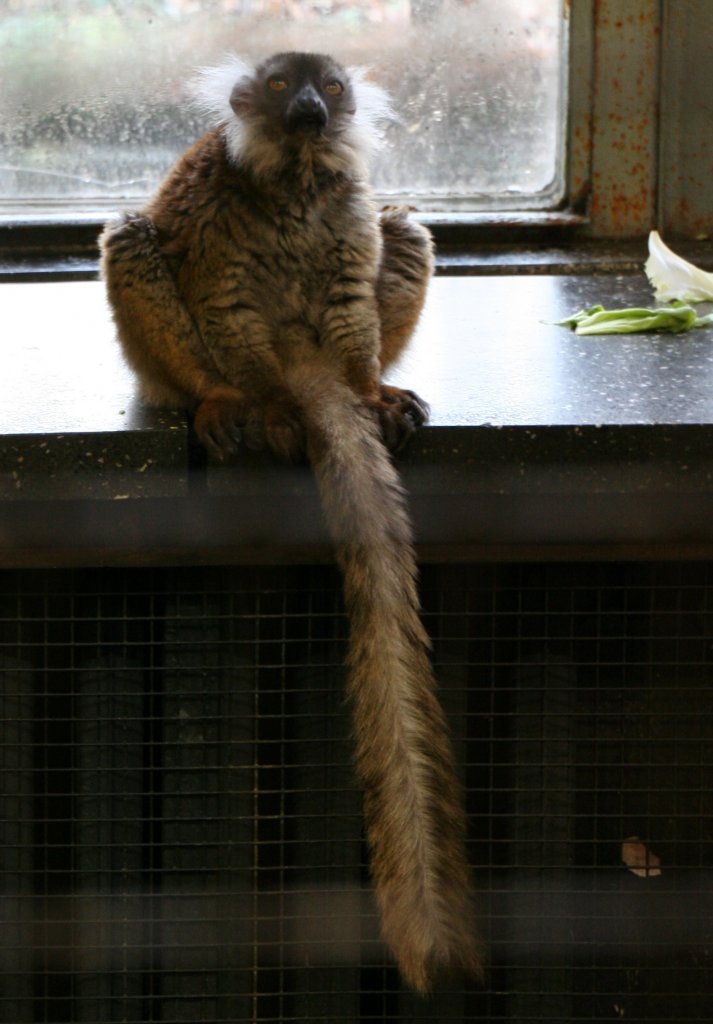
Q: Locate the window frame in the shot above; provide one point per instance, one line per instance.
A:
(624, 135)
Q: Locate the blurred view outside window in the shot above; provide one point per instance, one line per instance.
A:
(94, 108)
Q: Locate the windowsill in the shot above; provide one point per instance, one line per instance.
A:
(33, 248)
(541, 444)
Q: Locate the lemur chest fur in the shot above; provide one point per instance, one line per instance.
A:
(285, 264)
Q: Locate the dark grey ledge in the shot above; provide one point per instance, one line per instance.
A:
(71, 426)
(541, 444)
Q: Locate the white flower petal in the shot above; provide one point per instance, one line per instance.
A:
(673, 277)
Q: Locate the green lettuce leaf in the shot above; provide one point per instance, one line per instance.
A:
(667, 319)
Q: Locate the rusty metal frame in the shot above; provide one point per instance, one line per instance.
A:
(613, 168)
(686, 149)
(640, 135)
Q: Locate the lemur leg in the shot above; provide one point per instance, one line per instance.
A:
(405, 271)
(155, 329)
(168, 353)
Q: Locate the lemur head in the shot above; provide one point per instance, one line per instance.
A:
(295, 107)
(297, 93)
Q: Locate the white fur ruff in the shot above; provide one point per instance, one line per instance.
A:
(210, 92)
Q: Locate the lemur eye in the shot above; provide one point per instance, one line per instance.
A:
(277, 84)
(333, 87)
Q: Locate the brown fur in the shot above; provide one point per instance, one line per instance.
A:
(261, 290)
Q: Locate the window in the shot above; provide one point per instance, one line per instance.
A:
(93, 107)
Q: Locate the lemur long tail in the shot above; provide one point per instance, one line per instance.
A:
(412, 806)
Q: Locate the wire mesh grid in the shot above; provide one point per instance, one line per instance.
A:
(181, 827)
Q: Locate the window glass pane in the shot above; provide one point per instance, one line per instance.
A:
(93, 105)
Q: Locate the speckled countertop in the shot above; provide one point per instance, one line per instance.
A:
(538, 438)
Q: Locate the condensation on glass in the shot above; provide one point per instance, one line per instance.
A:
(94, 105)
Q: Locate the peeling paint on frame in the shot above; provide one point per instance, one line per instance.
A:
(625, 117)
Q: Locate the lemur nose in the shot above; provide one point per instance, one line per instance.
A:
(307, 110)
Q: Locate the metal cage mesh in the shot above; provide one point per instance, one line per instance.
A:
(182, 831)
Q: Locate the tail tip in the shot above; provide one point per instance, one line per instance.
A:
(468, 960)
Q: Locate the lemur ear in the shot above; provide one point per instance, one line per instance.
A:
(241, 96)
(211, 88)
